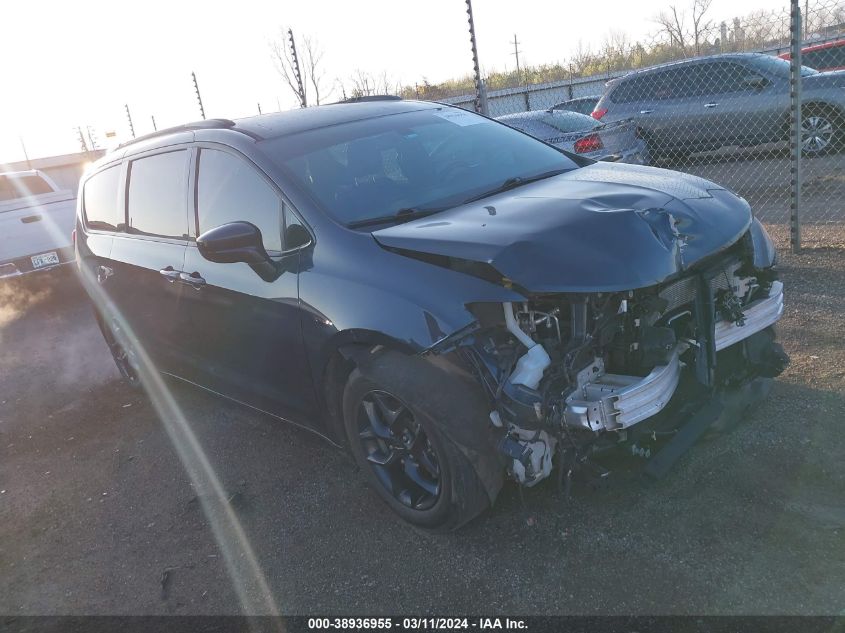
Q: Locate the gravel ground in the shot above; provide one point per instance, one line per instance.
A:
(98, 515)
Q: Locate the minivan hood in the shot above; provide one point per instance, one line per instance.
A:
(604, 227)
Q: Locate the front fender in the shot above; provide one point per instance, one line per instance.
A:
(383, 298)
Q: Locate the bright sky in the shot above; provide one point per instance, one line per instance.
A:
(69, 64)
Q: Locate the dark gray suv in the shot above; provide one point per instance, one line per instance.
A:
(734, 99)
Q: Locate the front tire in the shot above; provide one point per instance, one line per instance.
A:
(820, 132)
(421, 474)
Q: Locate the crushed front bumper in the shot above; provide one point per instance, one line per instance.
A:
(612, 402)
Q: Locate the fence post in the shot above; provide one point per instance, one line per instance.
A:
(129, 118)
(485, 108)
(795, 126)
(199, 96)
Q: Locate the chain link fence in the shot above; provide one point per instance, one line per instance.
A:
(718, 100)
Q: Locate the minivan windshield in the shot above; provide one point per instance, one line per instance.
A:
(404, 165)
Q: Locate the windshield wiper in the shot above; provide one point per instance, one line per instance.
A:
(412, 213)
(402, 215)
(513, 183)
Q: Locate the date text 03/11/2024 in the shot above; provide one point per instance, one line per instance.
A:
(417, 624)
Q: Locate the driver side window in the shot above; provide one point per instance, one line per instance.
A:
(231, 190)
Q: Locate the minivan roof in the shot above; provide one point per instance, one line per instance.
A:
(274, 125)
(681, 62)
(267, 126)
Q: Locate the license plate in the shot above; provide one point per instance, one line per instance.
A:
(45, 259)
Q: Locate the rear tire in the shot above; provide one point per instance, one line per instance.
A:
(417, 471)
(122, 353)
(820, 131)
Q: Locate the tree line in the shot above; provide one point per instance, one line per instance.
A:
(681, 31)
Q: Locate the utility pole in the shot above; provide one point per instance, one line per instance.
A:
(805, 17)
(259, 107)
(129, 117)
(479, 87)
(302, 98)
(516, 53)
(197, 90)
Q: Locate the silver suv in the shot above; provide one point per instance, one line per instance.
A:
(734, 99)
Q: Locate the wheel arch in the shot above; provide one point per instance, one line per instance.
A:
(814, 105)
(339, 357)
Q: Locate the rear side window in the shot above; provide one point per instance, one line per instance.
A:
(672, 83)
(677, 83)
(158, 194)
(231, 190)
(722, 78)
(102, 208)
(635, 89)
(12, 188)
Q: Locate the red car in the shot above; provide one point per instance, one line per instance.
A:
(827, 56)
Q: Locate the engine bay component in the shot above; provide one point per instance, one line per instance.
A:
(530, 453)
(531, 365)
(629, 367)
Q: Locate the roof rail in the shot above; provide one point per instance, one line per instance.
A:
(205, 124)
(371, 98)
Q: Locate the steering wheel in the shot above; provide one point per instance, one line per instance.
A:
(450, 164)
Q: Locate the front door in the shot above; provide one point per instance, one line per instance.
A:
(245, 333)
(737, 105)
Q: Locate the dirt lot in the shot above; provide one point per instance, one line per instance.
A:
(98, 516)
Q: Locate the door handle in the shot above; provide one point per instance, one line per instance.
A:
(710, 105)
(103, 273)
(169, 274)
(194, 280)
(646, 111)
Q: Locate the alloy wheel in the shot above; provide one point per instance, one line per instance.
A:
(816, 134)
(398, 450)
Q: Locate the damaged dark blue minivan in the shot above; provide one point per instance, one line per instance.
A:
(456, 302)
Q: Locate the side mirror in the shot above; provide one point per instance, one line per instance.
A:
(233, 242)
(238, 242)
